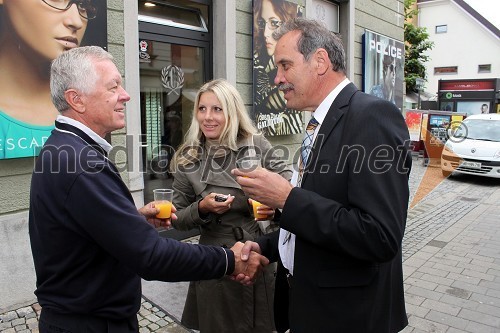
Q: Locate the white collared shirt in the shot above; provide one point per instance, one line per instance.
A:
(287, 249)
(93, 135)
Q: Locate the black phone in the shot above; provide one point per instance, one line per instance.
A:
(220, 198)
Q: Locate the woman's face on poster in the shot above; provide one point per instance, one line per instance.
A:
(269, 21)
(45, 30)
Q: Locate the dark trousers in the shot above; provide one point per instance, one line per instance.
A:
(53, 322)
(281, 304)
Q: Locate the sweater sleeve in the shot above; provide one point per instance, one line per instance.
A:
(103, 210)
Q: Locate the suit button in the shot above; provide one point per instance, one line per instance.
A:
(218, 220)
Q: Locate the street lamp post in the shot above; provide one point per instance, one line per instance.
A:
(419, 83)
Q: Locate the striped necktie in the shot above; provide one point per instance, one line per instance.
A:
(306, 147)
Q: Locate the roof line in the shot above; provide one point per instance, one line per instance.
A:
(487, 24)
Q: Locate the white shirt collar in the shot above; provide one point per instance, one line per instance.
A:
(322, 110)
(93, 135)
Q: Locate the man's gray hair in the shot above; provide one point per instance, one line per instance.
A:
(74, 69)
(315, 35)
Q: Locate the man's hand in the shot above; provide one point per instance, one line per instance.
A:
(264, 186)
(246, 271)
(246, 250)
(149, 211)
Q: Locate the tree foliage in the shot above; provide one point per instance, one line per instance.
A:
(416, 43)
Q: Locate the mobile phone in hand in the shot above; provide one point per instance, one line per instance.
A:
(220, 198)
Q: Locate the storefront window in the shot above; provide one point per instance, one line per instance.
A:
(174, 62)
(170, 78)
(180, 14)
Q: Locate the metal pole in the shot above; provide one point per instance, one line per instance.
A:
(419, 83)
(418, 103)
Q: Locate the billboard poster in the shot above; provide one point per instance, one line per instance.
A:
(32, 35)
(414, 123)
(269, 112)
(473, 107)
(383, 67)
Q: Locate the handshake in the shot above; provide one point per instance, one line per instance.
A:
(248, 262)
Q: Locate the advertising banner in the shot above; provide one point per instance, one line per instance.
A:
(414, 123)
(269, 112)
(35, 34)
(383, 67)
(473, 107)
(473, 96)
(464, 85)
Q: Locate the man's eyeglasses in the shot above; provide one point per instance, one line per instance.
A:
(86, 8)
(272, 24)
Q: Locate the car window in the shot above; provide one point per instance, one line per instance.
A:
(479, 129)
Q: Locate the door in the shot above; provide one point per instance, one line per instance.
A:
(174, 64)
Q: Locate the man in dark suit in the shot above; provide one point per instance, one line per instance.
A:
(90, 244)
(343, 223)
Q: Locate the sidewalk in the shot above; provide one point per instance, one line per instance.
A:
(451, 259)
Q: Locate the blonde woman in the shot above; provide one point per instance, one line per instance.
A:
(208, 197)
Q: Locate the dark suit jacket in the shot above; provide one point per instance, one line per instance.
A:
(349, 219)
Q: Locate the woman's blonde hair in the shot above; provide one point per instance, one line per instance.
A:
(238, 123)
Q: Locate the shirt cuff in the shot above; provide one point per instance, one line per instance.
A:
(229, 261)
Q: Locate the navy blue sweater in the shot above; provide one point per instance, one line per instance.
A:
(90, 245)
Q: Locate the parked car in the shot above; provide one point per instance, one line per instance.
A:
(474, 147)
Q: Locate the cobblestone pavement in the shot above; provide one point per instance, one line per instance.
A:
(451, 258)
(150, 317)
(451, 253)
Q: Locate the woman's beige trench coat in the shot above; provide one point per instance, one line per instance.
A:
(224, 305)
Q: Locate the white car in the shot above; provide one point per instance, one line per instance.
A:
(474, 147)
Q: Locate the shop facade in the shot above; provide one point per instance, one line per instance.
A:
(474, 96)
(165, 55)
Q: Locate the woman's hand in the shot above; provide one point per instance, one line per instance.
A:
(210, 205)
(264, 212)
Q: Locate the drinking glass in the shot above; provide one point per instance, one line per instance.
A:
(248, 163)
(163, 201)
(255, 205)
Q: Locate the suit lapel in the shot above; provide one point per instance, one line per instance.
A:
(337, 110)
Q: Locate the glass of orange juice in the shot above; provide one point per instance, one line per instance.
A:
(255, 205)
(163, 201)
